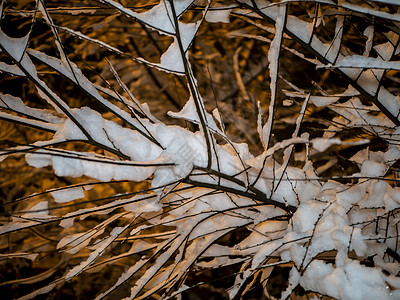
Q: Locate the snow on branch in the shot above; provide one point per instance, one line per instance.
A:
(113, 165)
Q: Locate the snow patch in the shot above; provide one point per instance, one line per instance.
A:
(67, 195)
(217, 15)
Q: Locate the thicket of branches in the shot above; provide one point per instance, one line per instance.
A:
(173, 149)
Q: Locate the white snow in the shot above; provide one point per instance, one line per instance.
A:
(101, 169)
(323, 100)
(83, 82)
(369, 33)
(273, 58)
(15, 47)
(388, 1)
(371, 11)
(189, 113)
(146, 205)
(12, 69)
(300, 28)
(306, 216)
(30, 122)
(66, 195)
(218, 15)
(38, 210)
(77, 241)
(171, 60)
(327, 213)
(368, 82)
(16, 104)
(321, 144)
(11, 227)
(327, 100)
(376, 191)
(351, 282)
(115, 232)
(351, 195)
(371, 168)
(96, 41)
(38, 160)
(159, 17)
(389, 101)
(359, 61)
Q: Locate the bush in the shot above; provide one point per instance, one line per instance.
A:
(263, 164)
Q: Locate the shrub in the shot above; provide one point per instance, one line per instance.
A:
(263, 164)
